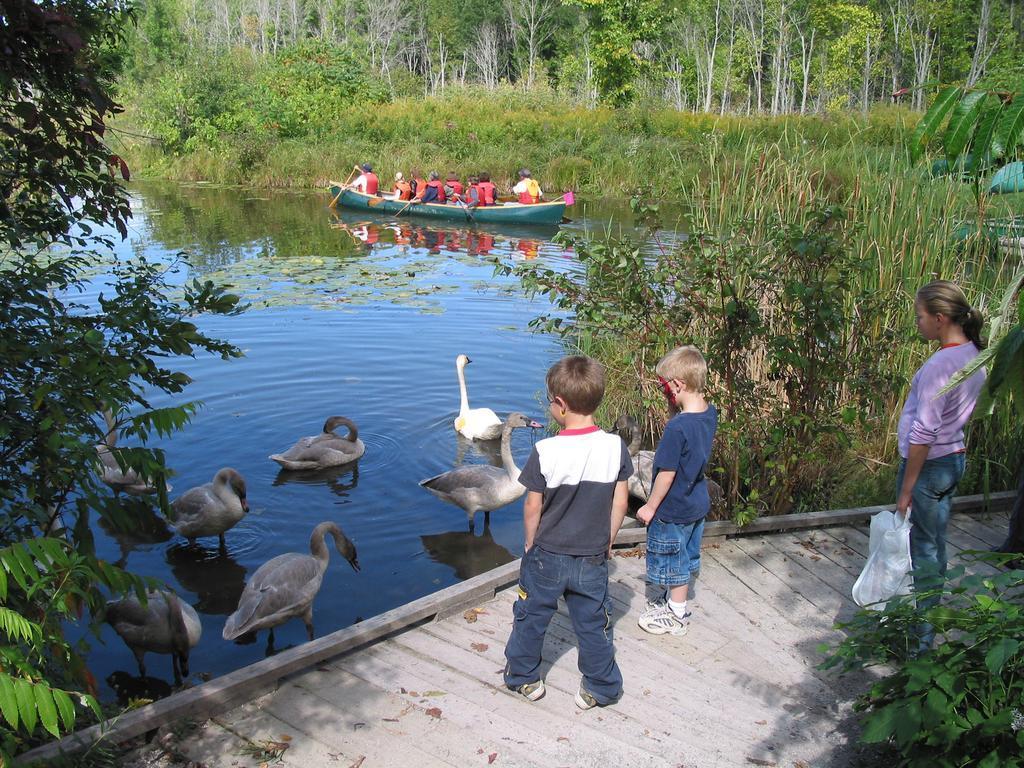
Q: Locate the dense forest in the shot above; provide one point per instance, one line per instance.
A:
(748, 56)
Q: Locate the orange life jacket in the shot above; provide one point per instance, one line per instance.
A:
(403, 190)
(528, 197)
(372, 183)
(456, 186)
(488, 193)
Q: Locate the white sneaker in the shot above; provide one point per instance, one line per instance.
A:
(662, 621)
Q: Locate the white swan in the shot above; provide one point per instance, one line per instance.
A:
(127, 480)
(284, 587)
(474, 423)
(165, 624)
(479, 487)
(324, 450)
(211, 508)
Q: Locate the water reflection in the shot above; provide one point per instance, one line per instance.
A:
(488, 450)
(133, 524)
(340, 479)
(216, 578)
(442, 237)
(129, 687)
(468, 555)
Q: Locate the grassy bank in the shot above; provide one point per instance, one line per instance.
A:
(597, 152)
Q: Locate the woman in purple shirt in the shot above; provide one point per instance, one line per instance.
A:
(931, 428)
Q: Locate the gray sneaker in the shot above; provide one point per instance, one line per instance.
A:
(585, 699)
(531, 691)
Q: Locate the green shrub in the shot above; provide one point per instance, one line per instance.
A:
(961, 704)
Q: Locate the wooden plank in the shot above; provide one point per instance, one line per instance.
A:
(218, 694)
(988, 536)
(961, 504)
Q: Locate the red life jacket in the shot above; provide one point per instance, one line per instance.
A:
(440, 189)
(371, 183)
(488, 193)
(456, 186)
(419, 186)
(403, 190)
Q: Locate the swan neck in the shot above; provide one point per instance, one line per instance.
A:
(634, 443)
(463, 396)
(110, 439)
(317, 545)
(507, 460)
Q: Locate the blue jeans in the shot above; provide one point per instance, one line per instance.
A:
(583, 581)
(931, 501)
(673, 552)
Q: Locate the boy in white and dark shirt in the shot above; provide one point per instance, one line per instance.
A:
(576, 500)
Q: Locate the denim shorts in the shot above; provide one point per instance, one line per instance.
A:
(673, 552)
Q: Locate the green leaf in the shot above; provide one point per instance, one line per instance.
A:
(47, 709)
(1010, 127)
(8, 700)
(982, 146)
(66, 708)
(26, 704)
(962, 123)
(1000, 653)
(881, 724)
(1005, 357)
(932, 119)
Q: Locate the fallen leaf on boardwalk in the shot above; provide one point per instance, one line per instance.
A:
(403, 690)
(357, 726)
(760, 722)
(358, 762)
(480, 750)
(390, 719)
(759, 761)
(285, 737)
(815, 557)
(413, 694)
(435, 693)
(800, 764)
(563, 738)
(471, 615)
(492, 757)
(479, 647)
(434, 712)
(647, 691)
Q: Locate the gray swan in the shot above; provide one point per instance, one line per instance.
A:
(324, 450)
(473, 423)
(211, 508)
(285, 586)
(639, 482)
(165, 624)
(126, 480)
(479, 487)
(643, 466)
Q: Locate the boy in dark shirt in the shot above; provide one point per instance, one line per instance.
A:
(679, 502)
(575, 503)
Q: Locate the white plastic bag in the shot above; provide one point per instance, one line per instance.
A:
(887, 571)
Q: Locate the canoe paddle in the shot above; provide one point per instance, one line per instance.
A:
(341, 188)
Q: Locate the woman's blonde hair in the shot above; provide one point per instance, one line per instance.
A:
(941, 297)
(687, 364)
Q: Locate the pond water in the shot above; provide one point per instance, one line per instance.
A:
(353, 317)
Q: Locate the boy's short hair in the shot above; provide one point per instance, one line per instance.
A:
(687, 364)
(579, 381)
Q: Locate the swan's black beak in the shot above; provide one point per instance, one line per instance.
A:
(468, 361)
(354, 562)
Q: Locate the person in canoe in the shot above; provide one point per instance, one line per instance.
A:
(433, 191)
(472, 196)
(453, 188)
(402, 189)
(367, 181)
(488, 192)
(527, 191)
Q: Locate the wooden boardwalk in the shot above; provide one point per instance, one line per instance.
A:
(741, 688)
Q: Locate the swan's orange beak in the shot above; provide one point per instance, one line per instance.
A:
(535, 425)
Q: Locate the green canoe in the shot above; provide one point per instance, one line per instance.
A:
(541, 213)
(1008, 179)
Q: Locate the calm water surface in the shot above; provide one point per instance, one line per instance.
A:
(354, 317)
